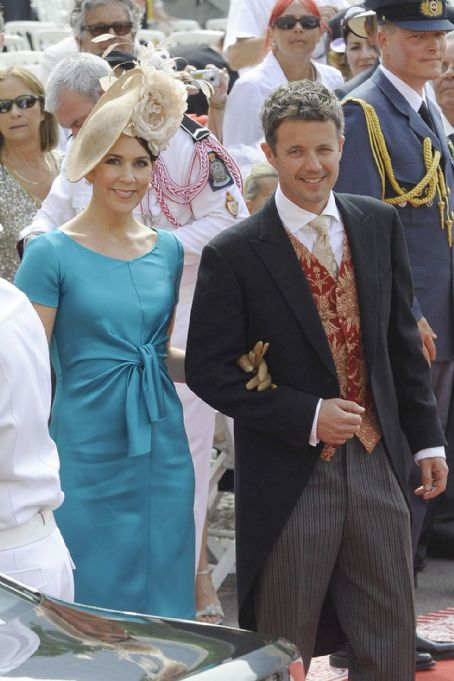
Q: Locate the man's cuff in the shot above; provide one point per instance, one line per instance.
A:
(430, 452)
(313, 440)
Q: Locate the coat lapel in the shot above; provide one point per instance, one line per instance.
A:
(276, 252)
(361, 235)
(399, 102)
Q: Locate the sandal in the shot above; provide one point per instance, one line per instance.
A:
(212, 613)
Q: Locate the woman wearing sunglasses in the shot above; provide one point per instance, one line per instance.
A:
(29, 162)
(294, 28)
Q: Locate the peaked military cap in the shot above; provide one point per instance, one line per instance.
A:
(426, 15)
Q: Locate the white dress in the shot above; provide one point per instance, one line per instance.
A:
(242, 123)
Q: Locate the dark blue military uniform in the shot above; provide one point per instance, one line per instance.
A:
(404, 131)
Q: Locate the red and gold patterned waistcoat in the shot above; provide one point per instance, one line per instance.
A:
(337, 305)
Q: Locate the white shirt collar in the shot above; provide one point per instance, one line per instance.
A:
(449, 129)
(294, 217)
(413, 98)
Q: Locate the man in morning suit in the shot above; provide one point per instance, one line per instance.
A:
(396, 150)
(322, 517)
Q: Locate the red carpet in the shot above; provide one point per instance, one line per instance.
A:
(438, 626)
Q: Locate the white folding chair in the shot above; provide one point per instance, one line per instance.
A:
(195, 37)
(50, 36)
(16, 42)
(183, 25)
(221, 542)
(29, 59)
(27, 28)
(216, 25)
(149, 35)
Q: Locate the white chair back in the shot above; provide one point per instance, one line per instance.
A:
(183, 25)
(149, 35)
(196, 37)
(49, 36)
(16, 42)
(216, 24)
(29, 59)
(26, 28)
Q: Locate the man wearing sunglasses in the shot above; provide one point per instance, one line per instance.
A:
(90, 19)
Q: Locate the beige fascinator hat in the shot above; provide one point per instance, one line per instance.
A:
(147, 102)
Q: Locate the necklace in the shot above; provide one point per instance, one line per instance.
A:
(33, 182)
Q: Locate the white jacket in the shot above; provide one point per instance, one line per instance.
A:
(242, 113)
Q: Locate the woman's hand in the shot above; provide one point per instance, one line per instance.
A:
(253, 362)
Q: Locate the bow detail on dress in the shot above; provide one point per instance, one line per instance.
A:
(145, 402)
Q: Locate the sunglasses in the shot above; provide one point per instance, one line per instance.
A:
(22, 102)
(288, 21)
(119, 28)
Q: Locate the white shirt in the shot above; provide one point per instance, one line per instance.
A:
(448, 128)
(242, 124)
(202, 218)
(295, 220)
(53, 55)
(29, 464)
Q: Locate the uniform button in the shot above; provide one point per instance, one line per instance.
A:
(402, 204)
(430, 204)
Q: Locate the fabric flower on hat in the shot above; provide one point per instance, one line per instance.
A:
(158, 112)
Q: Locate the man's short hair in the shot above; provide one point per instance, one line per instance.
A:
(81, 73)
(81, 7)
(303, 100)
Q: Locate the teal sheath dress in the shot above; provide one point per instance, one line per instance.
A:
(126, 468)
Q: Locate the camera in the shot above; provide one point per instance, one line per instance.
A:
(210, 75)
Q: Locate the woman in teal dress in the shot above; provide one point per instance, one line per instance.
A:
(105, 287)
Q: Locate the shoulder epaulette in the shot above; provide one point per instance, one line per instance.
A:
(198, 132)
(424, 192)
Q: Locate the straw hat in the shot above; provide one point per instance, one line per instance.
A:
(145, 102)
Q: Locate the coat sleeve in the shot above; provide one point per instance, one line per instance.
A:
(417, 405)
(218, 335)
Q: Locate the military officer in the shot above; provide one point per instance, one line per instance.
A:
(396, 150)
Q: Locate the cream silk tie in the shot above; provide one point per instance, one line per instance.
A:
(322, 248)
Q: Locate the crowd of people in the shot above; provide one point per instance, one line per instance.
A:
(158, 238)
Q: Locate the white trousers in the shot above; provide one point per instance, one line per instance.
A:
(199, 425)
(44, 565)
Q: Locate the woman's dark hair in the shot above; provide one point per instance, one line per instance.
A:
(143, 143)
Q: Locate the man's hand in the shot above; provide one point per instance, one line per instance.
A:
(253, 362)
(434, 474)
(338, 421)
(428, 337)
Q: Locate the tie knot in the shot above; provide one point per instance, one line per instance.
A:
(321, 224)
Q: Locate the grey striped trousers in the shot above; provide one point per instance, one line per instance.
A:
(350, 531)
